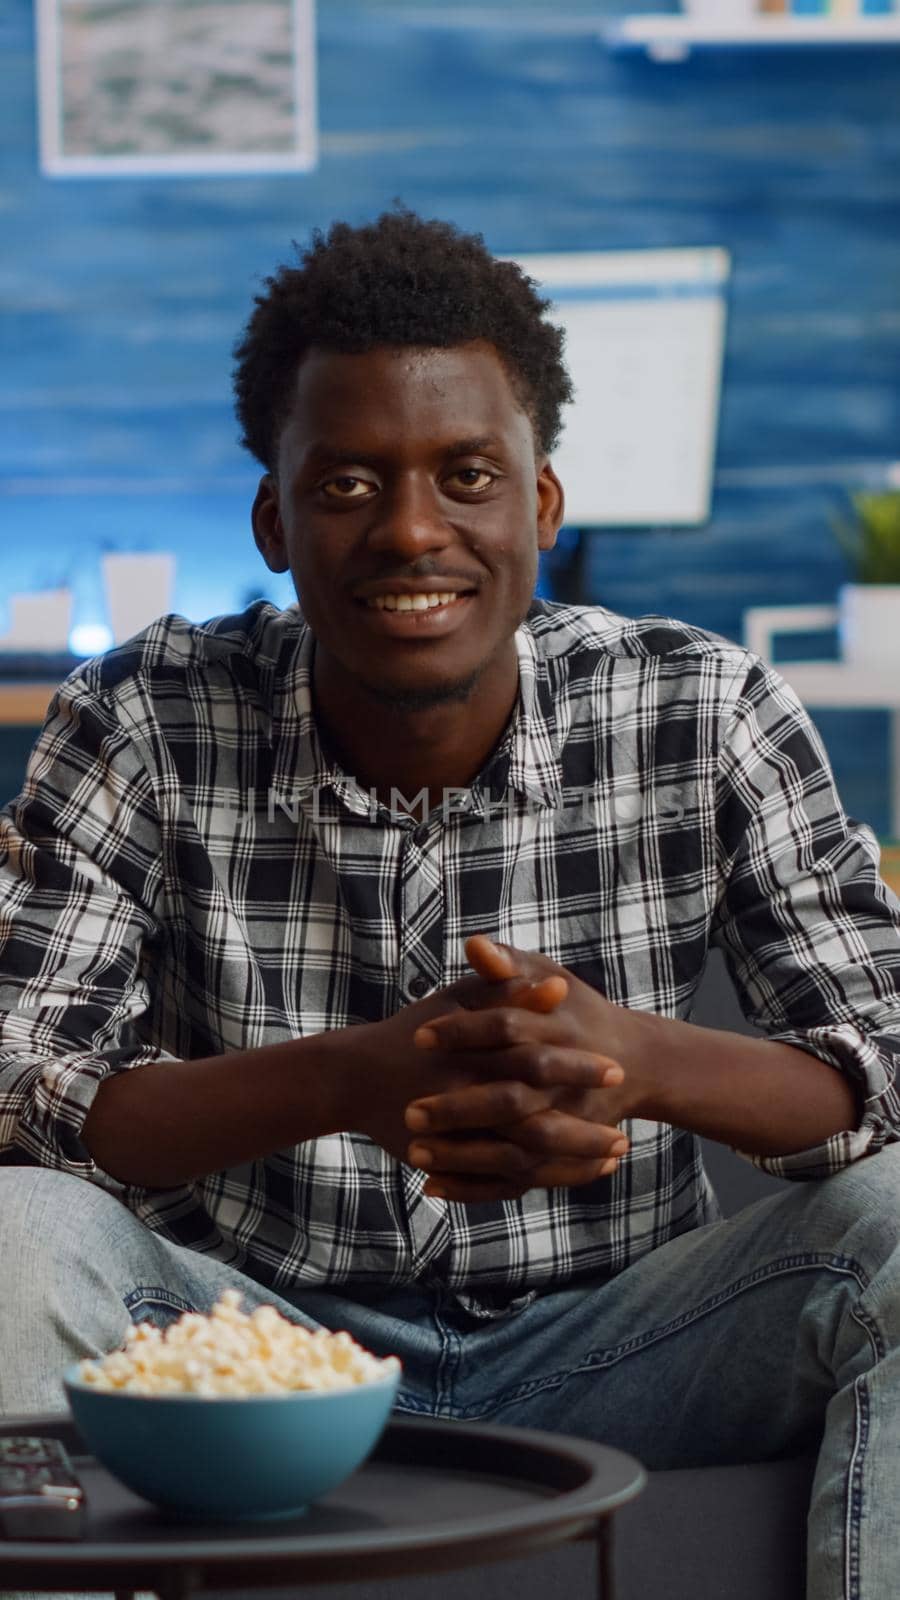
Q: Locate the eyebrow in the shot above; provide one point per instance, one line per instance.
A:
(321, 450)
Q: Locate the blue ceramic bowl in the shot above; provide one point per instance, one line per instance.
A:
(224, 1457)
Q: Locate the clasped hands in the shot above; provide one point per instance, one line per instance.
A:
(551, 1117)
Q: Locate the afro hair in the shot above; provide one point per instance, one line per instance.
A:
(398, 281)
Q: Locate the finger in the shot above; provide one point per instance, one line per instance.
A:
(542, 994)
(511, 1079)
(481, 1105)
(479, 1157)
(496, 961)
(490, 960)
(553, 1134)
(499, 1026)
(545, 994)
(509, 1100)
(523, 971)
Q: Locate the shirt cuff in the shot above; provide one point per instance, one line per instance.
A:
(860, 1060)
(62, 1095)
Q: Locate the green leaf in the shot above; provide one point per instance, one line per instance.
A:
(869, 536)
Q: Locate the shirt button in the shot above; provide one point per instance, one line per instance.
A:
(420, 834)
(418, 987)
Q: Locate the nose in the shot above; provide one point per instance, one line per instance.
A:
(410, 522)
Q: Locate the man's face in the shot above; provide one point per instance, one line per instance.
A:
(402, 475)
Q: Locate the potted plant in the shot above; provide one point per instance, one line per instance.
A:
(869, 607)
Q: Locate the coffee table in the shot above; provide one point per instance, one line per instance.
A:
(433, 1496)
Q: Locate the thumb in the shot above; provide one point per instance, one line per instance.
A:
(497, 963)
(490, 960)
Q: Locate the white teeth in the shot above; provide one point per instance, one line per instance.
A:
(410, 602)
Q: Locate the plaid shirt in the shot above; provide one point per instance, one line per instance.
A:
(185, 874)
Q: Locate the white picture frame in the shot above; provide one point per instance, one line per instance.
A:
(143, 87)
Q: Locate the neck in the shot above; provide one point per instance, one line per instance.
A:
(397, 751)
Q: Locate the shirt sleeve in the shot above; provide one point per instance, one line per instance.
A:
(810, 933)
(79, 886)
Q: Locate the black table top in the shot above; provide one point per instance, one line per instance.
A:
(432, 1496)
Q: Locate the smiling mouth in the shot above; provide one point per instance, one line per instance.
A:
(428, 615)
(412, 602)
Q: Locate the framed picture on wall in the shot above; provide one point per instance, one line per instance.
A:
(168, 86)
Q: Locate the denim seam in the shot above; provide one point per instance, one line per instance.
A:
(155, 1296)
(854, 1492)
(407, 1401)
(448, 1363)
(872, 1330)
(608, 1358)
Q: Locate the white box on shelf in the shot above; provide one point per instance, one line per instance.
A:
(138, 589)
(39, 621)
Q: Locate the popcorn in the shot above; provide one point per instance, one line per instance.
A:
(233, 1353)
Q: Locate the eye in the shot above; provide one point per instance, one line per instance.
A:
(468, 477)
(346, 488)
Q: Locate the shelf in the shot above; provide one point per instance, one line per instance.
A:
(672, 38)
(890, 866)
(836, 683)
(24, 705)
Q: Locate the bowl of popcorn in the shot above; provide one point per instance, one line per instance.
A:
(233, 1415)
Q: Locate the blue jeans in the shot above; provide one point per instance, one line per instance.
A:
(744, 1340)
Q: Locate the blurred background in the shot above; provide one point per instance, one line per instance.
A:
(167, 153)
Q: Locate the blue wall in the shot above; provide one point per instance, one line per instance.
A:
(122, 297)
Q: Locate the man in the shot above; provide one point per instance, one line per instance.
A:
(352, 951)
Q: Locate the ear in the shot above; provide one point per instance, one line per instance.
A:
(551, 507)
(267, 526)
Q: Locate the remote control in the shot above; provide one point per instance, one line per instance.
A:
(40, 1495)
